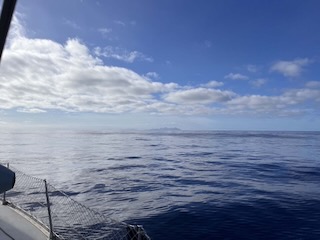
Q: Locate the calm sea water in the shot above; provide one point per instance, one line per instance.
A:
(184, 185)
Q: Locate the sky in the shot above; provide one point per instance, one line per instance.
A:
(145, 64)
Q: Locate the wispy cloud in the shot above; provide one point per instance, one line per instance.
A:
(290, 68)
(31, 110)
(17, 28)
(207, 44)
(121, 23)
(121, 54)
(152, 75)
(313, 84)
(124, 24)
(104, 31)
(236, 76)
(71, 24)
(258, 82)
(252, 68)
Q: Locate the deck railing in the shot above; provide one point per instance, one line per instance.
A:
(64, 217)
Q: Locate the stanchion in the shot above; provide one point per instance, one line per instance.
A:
(52, 236)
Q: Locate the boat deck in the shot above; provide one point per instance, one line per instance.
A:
(16, 225)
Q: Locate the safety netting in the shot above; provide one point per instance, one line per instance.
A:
(64, 217)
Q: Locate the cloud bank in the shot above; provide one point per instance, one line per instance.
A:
(39, 75)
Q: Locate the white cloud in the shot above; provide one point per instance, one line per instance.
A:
(39, 75)
(258, 82)
(283, 105)
(236, 76)
(213, 84)
(296, 96)
(199, 96)
(290, 68)
(313, 84)
(121, 54)
(257, 103)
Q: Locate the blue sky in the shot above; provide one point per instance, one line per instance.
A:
(218, 65)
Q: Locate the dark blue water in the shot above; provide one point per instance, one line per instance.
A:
(184, 185)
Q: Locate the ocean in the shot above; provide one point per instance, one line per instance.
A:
(183, 184)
